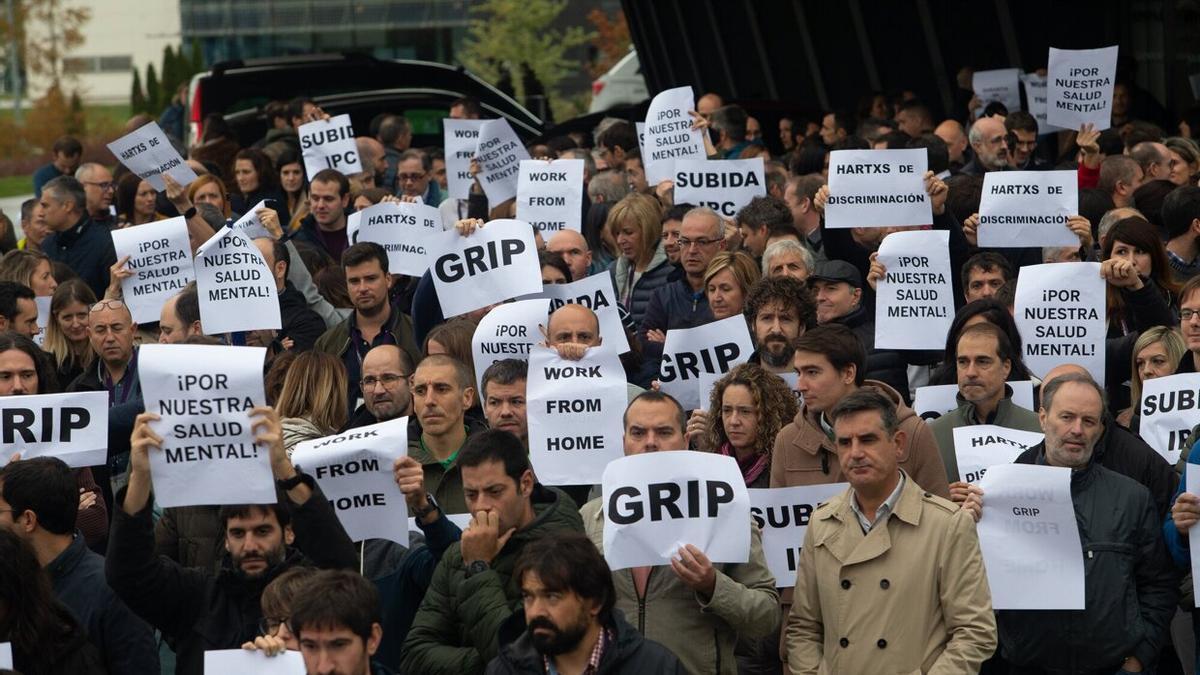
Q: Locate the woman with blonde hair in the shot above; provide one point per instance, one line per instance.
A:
(727, 283)
(747, 408)
(635, 223)
(1156, 353)
(67, 331)
(208, 189)
(29, 267)
(312, 403)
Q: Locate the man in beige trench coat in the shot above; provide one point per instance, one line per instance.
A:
(890, 577)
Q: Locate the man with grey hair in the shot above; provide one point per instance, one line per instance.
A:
(371, 155)
(75, 239)
(395, 134)
(100, 188)
(730, 124)
(787, 258)
(1154, 158)
(799, 194)
(1120, 177)
(989, 140)
(681, 302)
(1112, 217)
(1130, 587)
(608, 186)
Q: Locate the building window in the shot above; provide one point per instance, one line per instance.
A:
(83, 65)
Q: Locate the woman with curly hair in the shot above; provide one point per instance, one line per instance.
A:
(747, 408)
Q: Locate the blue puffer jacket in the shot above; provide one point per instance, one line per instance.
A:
(654, 277)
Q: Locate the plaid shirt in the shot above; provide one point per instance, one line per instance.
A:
(593, 664)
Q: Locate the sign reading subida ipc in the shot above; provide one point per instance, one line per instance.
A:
(725, 186)
(656, 503)
(783, 516)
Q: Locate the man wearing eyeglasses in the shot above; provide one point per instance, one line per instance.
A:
(384, 385)
(75, 239)
(413, 178)
(100, 188)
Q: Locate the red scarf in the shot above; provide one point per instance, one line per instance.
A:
(752, 467)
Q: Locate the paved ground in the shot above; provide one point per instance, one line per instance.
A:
(11, 206)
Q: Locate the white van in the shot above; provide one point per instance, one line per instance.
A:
(622, 84)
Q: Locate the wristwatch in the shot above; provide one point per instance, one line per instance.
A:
(289, 483)
(187, 215)
(476, 567)
(420, 513)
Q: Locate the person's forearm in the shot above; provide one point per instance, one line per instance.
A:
(137, 494)
(284, 470)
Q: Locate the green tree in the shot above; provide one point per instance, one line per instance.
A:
(59, 29)
(153, 93)
(137, 96)
(170, 75)
(509, 40)
(76, 120)
(197, 60)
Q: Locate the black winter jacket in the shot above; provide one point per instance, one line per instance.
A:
(299, 322)
(198, 610)
(885, 365)
(627, 654)
(1130, 586)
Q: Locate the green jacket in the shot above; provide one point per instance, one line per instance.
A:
(456, 630)
(444, 484)
(703, 634)
(1008, 414)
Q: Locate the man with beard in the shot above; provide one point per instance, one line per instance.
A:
(779, 310)
(374, 321)
(194, 608)
(989, 140)
(569, 623)
(384, 383)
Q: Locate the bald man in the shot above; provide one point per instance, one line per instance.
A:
(1120, 450)
(372, 156)
(708, 103)
(571, 330)
(574, 249)
(989, 141)
(951, 131)
(385, 387)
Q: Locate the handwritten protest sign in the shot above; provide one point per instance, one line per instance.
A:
(783, 515)
(235, 287)
(1061, 315)
(354, 470)
(712, 348)
(1170, 409)
(460, 138)
(597, 294)
(980, 446)
(160, 258)
(550, 194)
(72, 427)
(574, 410)
(497, 262)
(499, 153)
(204, 394)
(656, 503)
(403, 229)
(1029, 539)
(508, 331)
(1080, 87)
(935, 400)
(1001, 85)
(669, 135)
(252, 662)
(914, 303)
(147, 153)
(329, 144)
(1028, 208)
(877, 188)
(725, 186)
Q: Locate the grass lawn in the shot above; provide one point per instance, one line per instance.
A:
(108, 115)
(14, 186)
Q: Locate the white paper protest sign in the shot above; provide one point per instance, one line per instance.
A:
(597, 294)
(147, 153)
(914, 303)
(935, 400)
(1035, 101)
(354, 470)
(235, 287)
(1060, 313)
(669, 135)
(499, 153)
(72, 427)
(43, 318)
(1080, 87)
(712, 348)
(574, 410)
(204, 394)
(1029, 538)
(508, 331)
(256, 662)
(1001, 85)
(658, 502)
(1169, 409)
(460, 138)
(251, 224)
(160, 258)
(783, 515)
(329, 144)
(403, 229)
(1191, 477)
(6, 657)
(981, 446)
(877, 188)
(497, 262)
(641, 132)
(725, 186)
(1028, 208)
(550, 194)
